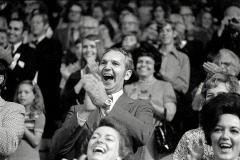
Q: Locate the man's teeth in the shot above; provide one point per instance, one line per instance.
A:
(108, 76)
(99, 150)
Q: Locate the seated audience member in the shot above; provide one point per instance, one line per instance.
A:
(105, 97)
(88, 63)
(189, 21)
(160, 11)
(221, 125)
(205, 27)
(49, 54)
(70, 63)
(107, 33)
(225, 61)
(120, 146)
(175, 67)
(11, 121)
(130, 43)
(130, 24)
(20, 59)
(148, 87)
(4, 39)
(150, 34)
(227, 35)
(98, 11)
(89, 26)
(215, 84)
(29, 95)
(68, 35)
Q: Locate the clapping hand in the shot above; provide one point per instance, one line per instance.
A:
(92, 66)
(6, 55)
(94, 87)
(196, 151)
(211, 68)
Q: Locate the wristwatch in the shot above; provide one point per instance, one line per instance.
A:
(107, 104)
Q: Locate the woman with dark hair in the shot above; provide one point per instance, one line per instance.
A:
(160, 11)
(107, 33)
(109, 141)
(160, 93)
(221, 125)
(214, 84)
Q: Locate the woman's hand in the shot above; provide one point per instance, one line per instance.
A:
(92, 66)
(195, 151)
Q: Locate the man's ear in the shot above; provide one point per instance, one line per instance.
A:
(128, 74)
(1, 79)
(119, 158)
(46, 26)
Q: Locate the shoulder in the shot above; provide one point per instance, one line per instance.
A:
(14, 107)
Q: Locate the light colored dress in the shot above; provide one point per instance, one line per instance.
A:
(159, 92)
(25, 151)
(181, 151)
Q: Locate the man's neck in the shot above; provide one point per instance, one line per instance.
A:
(167, 48)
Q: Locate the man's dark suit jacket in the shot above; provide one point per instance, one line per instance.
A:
(49, 54)
(25, 69)
(137, 115)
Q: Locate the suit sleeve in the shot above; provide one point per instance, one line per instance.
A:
(12, 130)
(140, 125)
(65, 137)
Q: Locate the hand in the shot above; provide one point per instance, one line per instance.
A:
(83, 157)
(211, 68)
(89, 106)
(224, 22)
(92, 66)
(195, 151)
(196, 103)
(73, 67)
(95, 89)
(6, 55)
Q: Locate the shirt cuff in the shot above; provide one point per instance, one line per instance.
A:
(81, 121)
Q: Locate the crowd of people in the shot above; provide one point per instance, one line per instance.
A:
(98, 78)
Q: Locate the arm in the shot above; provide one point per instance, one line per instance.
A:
(182, 82)
(66, 137)
(35, 138)
(12, 129)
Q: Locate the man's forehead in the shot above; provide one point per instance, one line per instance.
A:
(17, 24)
(130, 18)
(116, 55)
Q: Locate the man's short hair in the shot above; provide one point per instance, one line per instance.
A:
(25, 25)
(128, 58)
(43, 15)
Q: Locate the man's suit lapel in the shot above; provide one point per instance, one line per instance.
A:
(123, 101)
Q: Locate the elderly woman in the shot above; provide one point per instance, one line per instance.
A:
(109, 141)
(221, 125)
(160, 93)
(215, 84)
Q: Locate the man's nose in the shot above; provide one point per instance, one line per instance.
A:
(107, 66)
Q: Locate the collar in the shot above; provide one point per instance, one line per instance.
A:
(173, 52)
(39, 39)
(115, 98)
(16, 46)
(2, 102)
